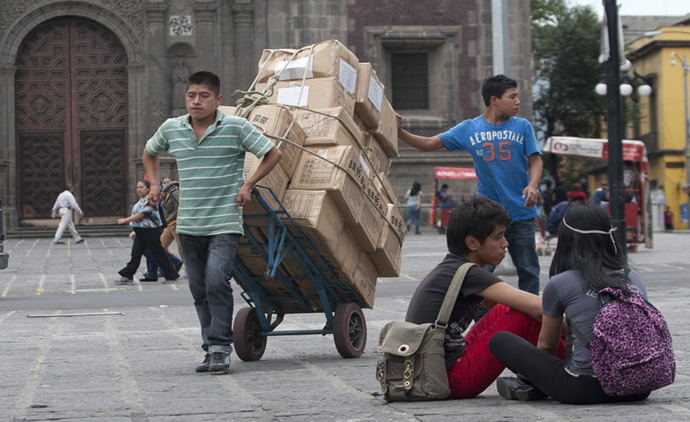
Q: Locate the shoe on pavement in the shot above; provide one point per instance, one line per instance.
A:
(171, 280)
(203, 367)
(123, 281)
(148, 279)
(79, 241)
(220, 363)
(59, 242)
(513, 388)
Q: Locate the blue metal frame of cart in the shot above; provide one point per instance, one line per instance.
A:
(285, 239)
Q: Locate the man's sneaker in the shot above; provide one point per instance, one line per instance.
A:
(220, 363)
(203, 367)
(512, 388)
(79, 241)
(58, 242)
(124, 281)
(171, 280)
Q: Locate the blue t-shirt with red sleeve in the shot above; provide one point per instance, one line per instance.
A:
(500, 154)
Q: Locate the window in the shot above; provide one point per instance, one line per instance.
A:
(404, 57)
(410, 81)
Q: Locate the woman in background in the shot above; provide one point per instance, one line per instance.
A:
(414, 206)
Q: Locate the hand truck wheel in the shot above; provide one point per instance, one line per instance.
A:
(349, 330)
(250, 345)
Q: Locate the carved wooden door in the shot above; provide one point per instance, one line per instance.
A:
(71, 108)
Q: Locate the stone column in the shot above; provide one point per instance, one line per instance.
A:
(245, 62)
(139, 123)
(8, 152)
(158, 85)
(205, 16)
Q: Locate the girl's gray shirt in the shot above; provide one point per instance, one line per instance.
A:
(567, 294)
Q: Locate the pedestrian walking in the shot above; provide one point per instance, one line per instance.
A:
(64, 204)
(146, 224)
(413, 196)
(209, 148)
(508, 165)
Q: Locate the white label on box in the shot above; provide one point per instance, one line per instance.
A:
(363, 162)
(296, 96)
(295, 69)
(348, 76)
(375, 93)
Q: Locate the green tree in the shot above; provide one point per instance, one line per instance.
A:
(565, 44)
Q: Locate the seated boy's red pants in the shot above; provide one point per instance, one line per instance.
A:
(478, 367)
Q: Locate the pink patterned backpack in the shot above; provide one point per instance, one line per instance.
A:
(631, 350)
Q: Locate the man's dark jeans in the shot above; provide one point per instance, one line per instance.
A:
(210, 263)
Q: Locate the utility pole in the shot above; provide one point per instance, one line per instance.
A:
(614, 108)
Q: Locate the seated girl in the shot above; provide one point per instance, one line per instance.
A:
(586, 261)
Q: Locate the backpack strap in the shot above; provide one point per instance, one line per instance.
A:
(452, 295)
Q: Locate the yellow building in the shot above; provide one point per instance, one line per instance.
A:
(663, 56)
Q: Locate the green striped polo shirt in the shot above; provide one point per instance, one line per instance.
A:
(210, 170)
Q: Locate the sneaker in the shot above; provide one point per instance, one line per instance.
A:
(220, 363)
(59, 242)
(513, 388)
(147, 278)
(203, 367)
(124, 281)
(171, 280)
(79, 241)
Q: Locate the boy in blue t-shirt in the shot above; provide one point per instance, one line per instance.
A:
(508, 164)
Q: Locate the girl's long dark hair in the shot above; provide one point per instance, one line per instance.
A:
(416, 187)
(592, 256)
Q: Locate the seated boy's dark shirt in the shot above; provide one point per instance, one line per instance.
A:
(427, 300)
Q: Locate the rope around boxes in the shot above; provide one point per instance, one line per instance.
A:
(251, 99)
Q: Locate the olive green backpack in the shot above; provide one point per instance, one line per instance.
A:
(413, 367)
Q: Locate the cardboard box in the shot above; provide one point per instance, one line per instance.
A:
(229, 110)
(387, 131)
(377, 157)
(274, 122)
(386, 189)
(276, 180)
(317, 215)
(319, 171)
(325, 59)
(388, 255)
(277, 122)
(328, 127)
(369, 95)
(315, 94)
(376, 198)
(363, 279)
(368, 228)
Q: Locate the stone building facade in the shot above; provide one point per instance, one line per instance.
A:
(86, 83)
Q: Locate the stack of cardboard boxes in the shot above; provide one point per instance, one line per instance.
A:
(337, 189)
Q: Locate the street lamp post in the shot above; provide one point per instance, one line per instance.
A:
(686, 68)
(613, 101)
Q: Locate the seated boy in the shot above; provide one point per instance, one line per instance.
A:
(476, 233)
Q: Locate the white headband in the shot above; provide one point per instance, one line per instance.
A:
(610, 233)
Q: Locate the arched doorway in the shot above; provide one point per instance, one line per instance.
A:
(71, 117)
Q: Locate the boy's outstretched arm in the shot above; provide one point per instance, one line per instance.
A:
(424, 143)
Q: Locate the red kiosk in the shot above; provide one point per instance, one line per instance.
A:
(637, 215)
(452, 173)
